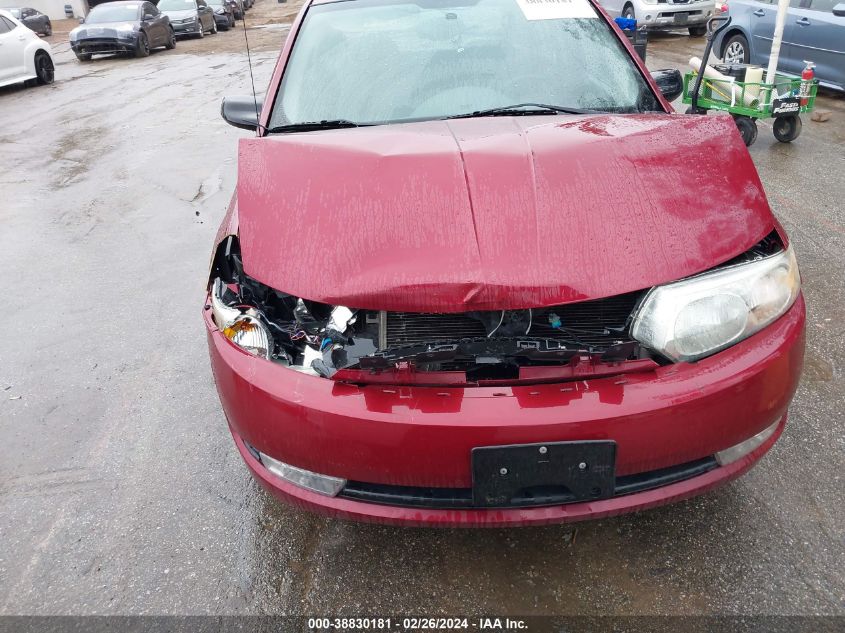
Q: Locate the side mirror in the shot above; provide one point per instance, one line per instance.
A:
(839, 10)
(82, 20)
(241, 112)
(670, 82)
(147, 17)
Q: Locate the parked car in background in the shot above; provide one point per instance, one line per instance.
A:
(189, 17)
(124, 26)
(237, 8)
(814, 31)
(432, 303)
(24, 57)
(224, 14)
(33, 19)
(666, 14)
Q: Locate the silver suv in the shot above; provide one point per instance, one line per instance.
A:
(664, 14)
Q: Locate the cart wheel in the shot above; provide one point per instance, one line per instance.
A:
(747, 128)
(787, 128)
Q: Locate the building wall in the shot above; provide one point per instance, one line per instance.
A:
(55, 9)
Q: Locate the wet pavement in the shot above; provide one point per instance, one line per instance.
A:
(121, 490)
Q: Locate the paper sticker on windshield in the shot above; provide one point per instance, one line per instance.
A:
(556, 9)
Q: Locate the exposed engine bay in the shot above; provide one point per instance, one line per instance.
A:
(472, 348)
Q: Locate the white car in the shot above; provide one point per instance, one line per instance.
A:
(664, 14)
(23, 55)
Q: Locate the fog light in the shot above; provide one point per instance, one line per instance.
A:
(315, 482)
(738, 451)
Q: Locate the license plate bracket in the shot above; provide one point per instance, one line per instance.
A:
(681, 17)
(537, 474)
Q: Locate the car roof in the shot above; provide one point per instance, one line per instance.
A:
(124, 3)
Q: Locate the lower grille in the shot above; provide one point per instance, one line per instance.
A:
(103, 45)
(448, 498)
(593, 323)
(672, 14)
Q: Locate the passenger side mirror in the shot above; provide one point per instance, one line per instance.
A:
(839, 10)
(242, 112)
(670, 82)
(82, 20)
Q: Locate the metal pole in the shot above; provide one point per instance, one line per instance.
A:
(780, 22)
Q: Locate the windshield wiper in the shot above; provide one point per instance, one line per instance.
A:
(521, 109)
(333, 124)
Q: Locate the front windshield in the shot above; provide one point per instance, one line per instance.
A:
(114, 13)
(177, 5)
(378, 61)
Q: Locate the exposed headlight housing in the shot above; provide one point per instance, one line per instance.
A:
(696, 317)
(250, 334)
(125, 28)
(243, 328)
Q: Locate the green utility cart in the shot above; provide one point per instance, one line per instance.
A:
(783, 101)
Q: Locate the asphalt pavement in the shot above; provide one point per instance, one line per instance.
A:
(121, 490)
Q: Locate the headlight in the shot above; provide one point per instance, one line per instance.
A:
(73, 35)
(125, 28)
(690, 319)
(244, 329)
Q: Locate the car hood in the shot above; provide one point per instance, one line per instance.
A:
(181, 15)
(100, 29)
(496, 213)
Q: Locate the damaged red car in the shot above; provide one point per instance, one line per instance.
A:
(477, 272)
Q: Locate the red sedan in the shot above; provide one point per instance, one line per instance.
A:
(477, 272)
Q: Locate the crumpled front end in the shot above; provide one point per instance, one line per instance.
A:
(403, 454)
(473, 348)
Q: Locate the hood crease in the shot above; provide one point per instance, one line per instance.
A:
(479, 266)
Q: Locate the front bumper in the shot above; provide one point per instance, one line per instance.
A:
(95, 46)
(670, 16)
(190, 28)
(423, 437)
